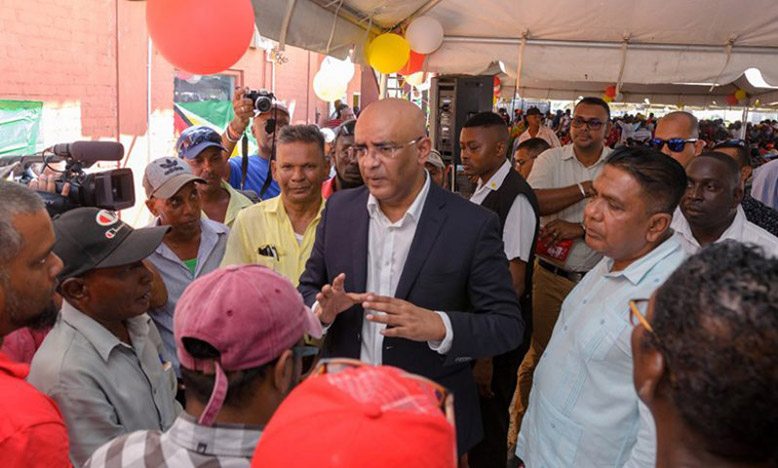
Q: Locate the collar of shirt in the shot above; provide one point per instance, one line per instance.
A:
(638, 269)
(211, 230)
(103, 340)
(238, 201)
(233, 440)
(734, 231)
(276, 206)
(414, 211)
(493, 184)
(569, 153)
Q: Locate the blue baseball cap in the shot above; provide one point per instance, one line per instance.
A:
(195, 139)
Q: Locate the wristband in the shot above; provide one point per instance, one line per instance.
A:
(583, 192)
(229, 134)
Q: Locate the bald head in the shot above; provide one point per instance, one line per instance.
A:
(404, 118)
(682, 120)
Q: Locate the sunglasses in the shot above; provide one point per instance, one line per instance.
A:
(674, 144)
(591, 124)
(195, 137)
(731, 144)
(443, 398)
(308, 356)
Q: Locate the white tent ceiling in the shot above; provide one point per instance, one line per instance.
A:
(570, 46)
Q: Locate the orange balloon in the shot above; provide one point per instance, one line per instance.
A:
(610, 91)
(414, 64)
(201, 36)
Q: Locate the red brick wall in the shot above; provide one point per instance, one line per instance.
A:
(87, 61)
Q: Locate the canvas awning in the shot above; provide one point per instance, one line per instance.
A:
(570, 46)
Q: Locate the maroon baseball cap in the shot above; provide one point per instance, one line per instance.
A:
(249, 313)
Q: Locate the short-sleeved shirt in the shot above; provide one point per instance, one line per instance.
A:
(558, 168)
(543, 132)
(177, 276)
(519, 229)
(263, 234)
(103, 386)
(740, 230)
(186, 444)
(255, 176)
(32, 432)
(237, 202)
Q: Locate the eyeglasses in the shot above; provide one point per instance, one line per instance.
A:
(443, 398)
(674, 144)
(308, 356)
(385, 152)
(193, 136)
(591, 124)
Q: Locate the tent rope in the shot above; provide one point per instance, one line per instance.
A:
(332, 30)
(285, 24)
(520, 61)
(728, 51)
(624, 46)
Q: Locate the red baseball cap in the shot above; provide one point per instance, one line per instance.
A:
(365, 416)
(249, 313)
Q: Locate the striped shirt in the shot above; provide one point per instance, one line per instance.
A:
(186, 444)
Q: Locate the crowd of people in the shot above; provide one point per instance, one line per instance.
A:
(335, 304)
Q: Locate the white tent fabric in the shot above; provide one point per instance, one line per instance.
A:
(568, 41)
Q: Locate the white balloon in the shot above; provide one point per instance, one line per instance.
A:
(329, 86)
(424, 34)
(415, 79)
(343, 68)
(194, 79)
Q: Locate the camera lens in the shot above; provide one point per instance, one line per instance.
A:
(263, 103)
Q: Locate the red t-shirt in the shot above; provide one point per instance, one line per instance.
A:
(328, 188)
(32, 433)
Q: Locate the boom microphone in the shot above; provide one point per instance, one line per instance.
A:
(90, 152)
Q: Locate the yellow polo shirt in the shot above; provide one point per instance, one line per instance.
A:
(238, 201)
(263, 234)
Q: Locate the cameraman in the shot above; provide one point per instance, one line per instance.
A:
(264, 127)
(33, 433)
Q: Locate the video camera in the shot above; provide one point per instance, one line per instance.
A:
(262, 99)
(111, 190)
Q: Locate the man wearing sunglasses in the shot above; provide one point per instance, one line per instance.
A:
(562, 180)
(710, 209)
(239, 335)
(717, 309)
(344, 160)
(407, 274)
(265, 127)
(583, 410)
(756, 211)
(677, 135)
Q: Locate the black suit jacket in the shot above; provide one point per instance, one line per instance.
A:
(456, 264)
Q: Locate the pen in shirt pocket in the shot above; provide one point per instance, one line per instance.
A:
(268, 250)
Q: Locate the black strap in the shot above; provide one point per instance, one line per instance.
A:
(244, 162)
(268, 175)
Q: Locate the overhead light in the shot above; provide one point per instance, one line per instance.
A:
(647, 101)
(580, 97)
(714, 103)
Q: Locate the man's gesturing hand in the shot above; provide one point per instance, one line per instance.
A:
(333, 299)
(405, 320)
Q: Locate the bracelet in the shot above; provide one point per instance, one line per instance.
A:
(229, 134)
(583, 192)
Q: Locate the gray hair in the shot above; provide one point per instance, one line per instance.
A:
(302, 134)
(15, 199)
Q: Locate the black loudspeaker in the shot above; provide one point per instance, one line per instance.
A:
(453, 100)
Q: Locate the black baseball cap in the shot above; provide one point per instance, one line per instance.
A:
(90, 238)
(533, 111)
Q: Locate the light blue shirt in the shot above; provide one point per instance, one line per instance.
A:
(765, 185)
(583, 408)
(177, 276)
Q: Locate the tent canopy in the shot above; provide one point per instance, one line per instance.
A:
(569, 46)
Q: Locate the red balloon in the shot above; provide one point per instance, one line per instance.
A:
(610, 91)
(496, 81)
(732, 100)
(201, 36)
(414, 64)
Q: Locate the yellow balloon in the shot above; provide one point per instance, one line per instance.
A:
(606, 98)
(388, 53)
(328, 86)
(740, 94)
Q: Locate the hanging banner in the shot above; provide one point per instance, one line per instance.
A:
(19, 126)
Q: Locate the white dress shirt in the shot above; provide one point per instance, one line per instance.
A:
(544, 133)
(388, 245)
(519, 229)
(583, 409)
(558, 168)
(740, 230)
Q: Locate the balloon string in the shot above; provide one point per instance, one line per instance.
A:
(332, 31)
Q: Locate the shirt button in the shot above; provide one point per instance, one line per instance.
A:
(602, 322)
(585, 301)
(564, 328)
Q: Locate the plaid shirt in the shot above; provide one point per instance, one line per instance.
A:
(186, 444)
